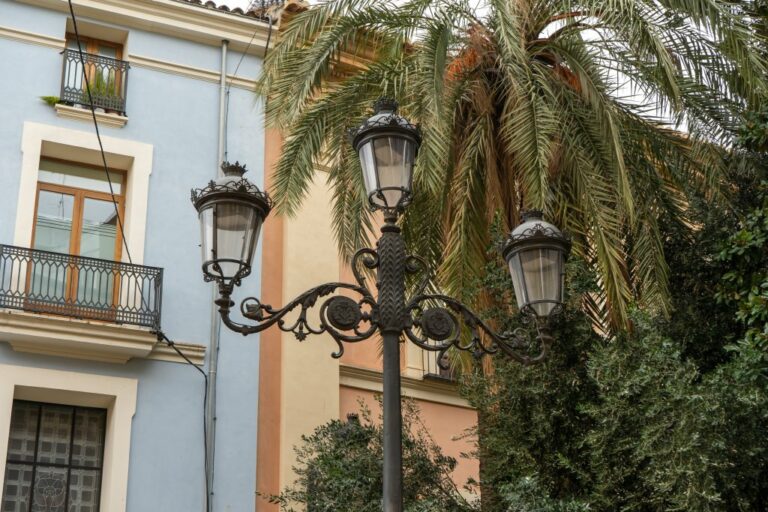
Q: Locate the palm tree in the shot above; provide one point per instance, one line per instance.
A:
(599, 112)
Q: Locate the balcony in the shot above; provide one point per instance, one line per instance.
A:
(79, 287)
(73, 306)
(108, 79)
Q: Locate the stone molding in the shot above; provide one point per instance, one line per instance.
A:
(84, 114)
(117, 394)
(196, 73)
(419, 389)
(162, 352)
(32, 38)
(70, 337)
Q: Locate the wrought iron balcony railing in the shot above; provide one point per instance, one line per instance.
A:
(80, 287)
(108, 80)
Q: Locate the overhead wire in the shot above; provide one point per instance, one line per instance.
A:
(234, 75)
(161, 336)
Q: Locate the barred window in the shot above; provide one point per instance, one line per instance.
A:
(55, 458)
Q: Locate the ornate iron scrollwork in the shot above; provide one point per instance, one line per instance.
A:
(445, 324)
(347, 320)
(433, 322)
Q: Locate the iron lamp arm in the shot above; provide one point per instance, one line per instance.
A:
(345, 319)
(446, 321)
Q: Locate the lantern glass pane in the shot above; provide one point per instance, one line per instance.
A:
(387, 166)
(541, 272)
(237, 225)
(206, 233)
(369, 167)
(516, 270)
(229, 235)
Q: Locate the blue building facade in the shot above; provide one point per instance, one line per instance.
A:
(95, 413)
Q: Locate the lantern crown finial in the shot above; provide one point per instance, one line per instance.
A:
(234, 169)
(532, 214)
(385, 105)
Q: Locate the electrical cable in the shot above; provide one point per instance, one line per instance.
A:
(234, 75)
(160, 334)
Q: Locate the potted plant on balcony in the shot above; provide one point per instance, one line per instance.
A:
(103, 91)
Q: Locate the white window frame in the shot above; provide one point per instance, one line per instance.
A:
(136, 193)
(116, 394)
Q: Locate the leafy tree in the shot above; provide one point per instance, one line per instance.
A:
(340, 467)
(670, 416)
(522, 104)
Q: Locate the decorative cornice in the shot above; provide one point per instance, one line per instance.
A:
(32, 38)
(177, 19)
(428, 390)
(162, 352)
(205, 75)
(84, 114)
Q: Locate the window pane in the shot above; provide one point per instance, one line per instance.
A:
(53, 229)
(55, 432)
(50, 494)
(54, 221)
(88, 443)
(21, 442)
(84, 485)
(99, 229)
(18, 483)
(73, 175)
(97, 240)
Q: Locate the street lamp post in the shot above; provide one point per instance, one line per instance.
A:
(232, 211)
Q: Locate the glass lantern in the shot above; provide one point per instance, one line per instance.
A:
(387, 145)
(536, 252)
(231, 211)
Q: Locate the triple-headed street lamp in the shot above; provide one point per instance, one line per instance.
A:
(232, 211)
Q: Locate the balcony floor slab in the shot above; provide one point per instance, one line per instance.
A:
(71, 337)
(84, 114)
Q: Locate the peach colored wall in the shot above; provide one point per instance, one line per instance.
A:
(270, 348)
(434, 416)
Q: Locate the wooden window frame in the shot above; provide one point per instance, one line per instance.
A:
(79, 196)
(91, 45)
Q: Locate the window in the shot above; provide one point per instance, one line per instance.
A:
(55, 458)
(107, 73)
(96, 46)
(75, 215)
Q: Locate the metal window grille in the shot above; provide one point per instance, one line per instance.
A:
(55, 458)
(80, 287)
(107, 77)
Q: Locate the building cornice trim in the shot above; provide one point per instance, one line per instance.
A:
(162, 352)
(196, 73)
(32, 38)
(177, 19)
(430, 391)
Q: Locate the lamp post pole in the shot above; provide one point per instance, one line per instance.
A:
(391, 301)
(232, 210)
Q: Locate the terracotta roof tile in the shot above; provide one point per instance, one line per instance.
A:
(258, 9)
